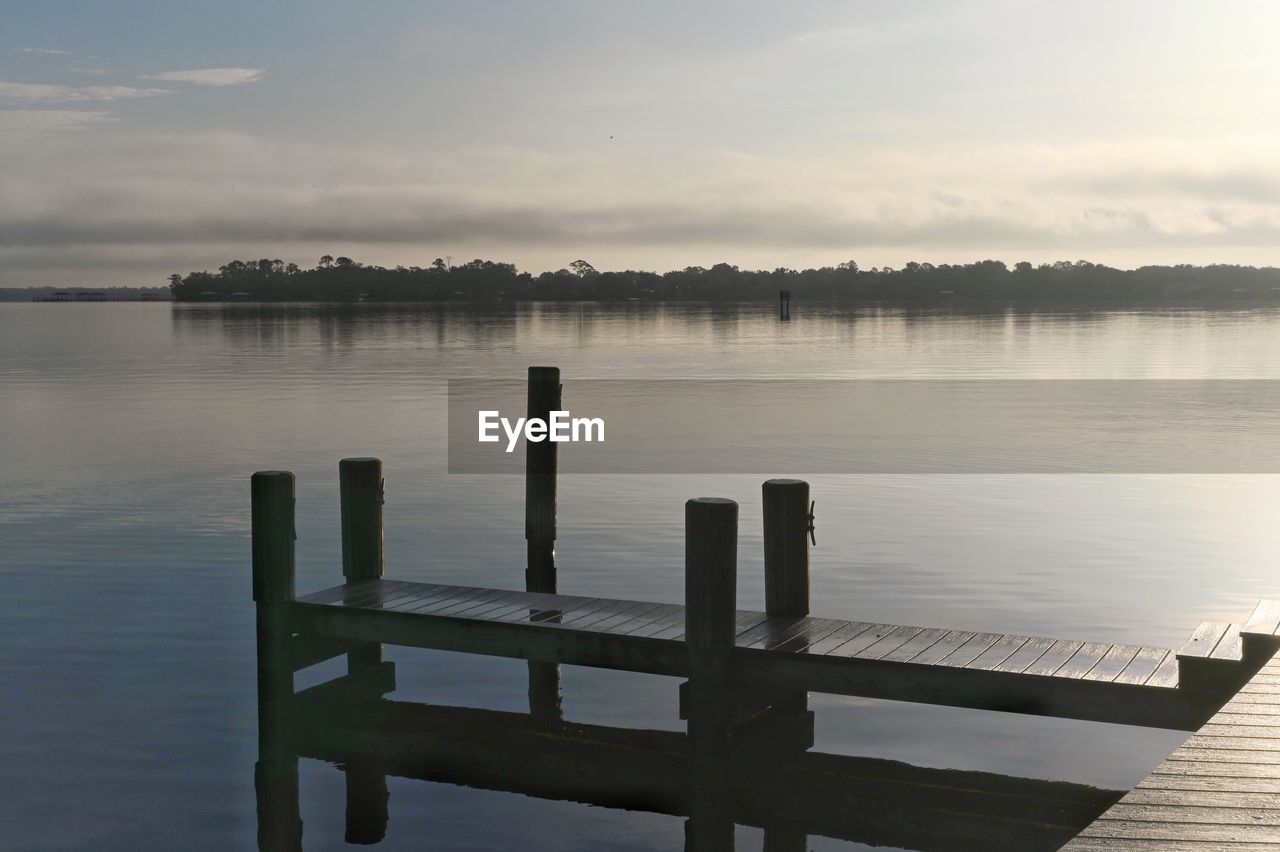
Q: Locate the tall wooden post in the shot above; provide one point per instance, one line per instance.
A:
(276, 772)
(786, 592)
(710, 570)
(540, 527)
(361, 485)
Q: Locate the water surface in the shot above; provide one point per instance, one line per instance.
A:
(129, 432)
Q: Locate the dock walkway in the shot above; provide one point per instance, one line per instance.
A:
(1056, 677)
(1220, 790)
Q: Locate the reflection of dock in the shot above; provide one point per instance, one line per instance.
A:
(779, 787)
(745, 696)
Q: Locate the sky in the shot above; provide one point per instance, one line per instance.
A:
(138, 139)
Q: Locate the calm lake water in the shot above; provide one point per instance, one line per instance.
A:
(128, 433)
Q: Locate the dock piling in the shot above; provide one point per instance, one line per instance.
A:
(787, 522)
(711, 580)
(361, 492)
(540, 527)
(786, 547)
(276, 771)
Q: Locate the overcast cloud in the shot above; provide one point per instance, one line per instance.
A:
(778, 136)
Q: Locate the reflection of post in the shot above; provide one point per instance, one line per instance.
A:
(540, 527)
(276, 772)
(710, 570)
(786, 594)
(362, 559)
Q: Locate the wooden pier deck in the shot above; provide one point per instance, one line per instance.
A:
(1057, 677)
(1220, 790)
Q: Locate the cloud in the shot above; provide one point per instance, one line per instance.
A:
(152, 205)
(38, 120)
(209, 76)
(53, 93)
(45, 51)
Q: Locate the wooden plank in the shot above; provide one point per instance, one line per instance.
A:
(1184, 832)
(614, 610)
(1186, 763)
(659, 624)
(380, 591)
(1200, 812)
(1138, 844)
(1051, 660)
(823, 628)
(653, 616)
(1083, 660)
(1265, 618)
(969, 651)
(625, 616)
(1113, 662)
(481, 603)
(676, 631)
(890, 642)
(1143, 665)
(771, 624)
(556, 614)
(1229, 647)
(863, 640)
(1204, 639)
(837, 638)
(367, 591)
(1030, 651)
(1203, 798)
(584, 619)
(517, 606)
(1166, 674)
(944, 646)
(465, 602)
(1232, 784)
(916, 645)
(406, 591)
(749, 621)
(429, 603)
(332, 593)
(798, 627)
(1002, 650)
(1229, 716)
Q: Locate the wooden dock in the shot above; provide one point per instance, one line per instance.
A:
(747, 675)
(1067, 678)
(1221, 789)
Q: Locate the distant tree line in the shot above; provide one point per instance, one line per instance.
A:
(344, 280)
(26, 294)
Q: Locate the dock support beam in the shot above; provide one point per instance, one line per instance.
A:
(710, 570)
(276, 772)
(361, 485)
(540, 528)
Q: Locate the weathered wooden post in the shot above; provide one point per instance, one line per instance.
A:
(711, 580)
(540, 527)
(787, 523)
(786, 547)
(276, 772)
(361, 485)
